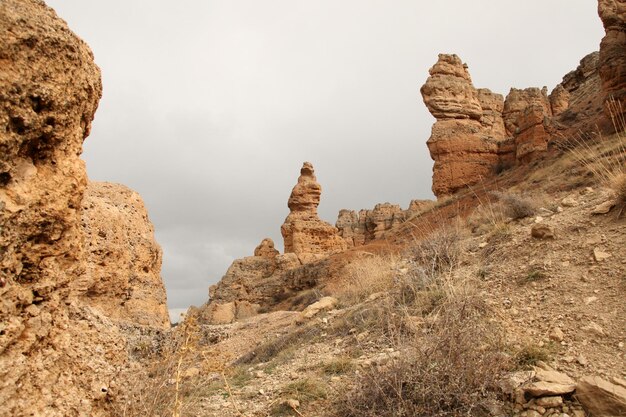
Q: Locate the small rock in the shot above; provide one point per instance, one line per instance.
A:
(599, 255)
(603, 208)
(582, 360)
(569, 202)
(557, 334)
(554, 401)
(589, 300)
(594, 328)
(542, 231)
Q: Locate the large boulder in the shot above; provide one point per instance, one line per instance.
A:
(123, 260)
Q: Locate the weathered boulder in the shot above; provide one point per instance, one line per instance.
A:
(526, 114)
(304, 233)
(612, 59)
(266, 249)
(601, 398)
(123, 261)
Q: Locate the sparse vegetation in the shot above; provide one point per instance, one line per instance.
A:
(449, 371)
(605, 157)
(516, 206)
(367, 275)
(529, 355)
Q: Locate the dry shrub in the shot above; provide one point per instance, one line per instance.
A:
(167, 384)
(449, 371)
(605, 157)
(368, 275)
(516, 206)
(439, 252)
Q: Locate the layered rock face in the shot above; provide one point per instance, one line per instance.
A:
(304, 233)
(60, 354)
(469, 145)
(364, 226)
(466, 141)
(612, 59)
(526, 114)
(123, 261)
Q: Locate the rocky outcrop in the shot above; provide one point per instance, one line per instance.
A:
(467, 139)
(600, 397)
(59, 355)
(249, 284)
(469, 146)
(304, 233)
(360, 228)
(123, 261)
(526, 115)
(612, 59)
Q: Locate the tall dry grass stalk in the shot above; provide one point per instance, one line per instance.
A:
(605, 157)
(369, 274)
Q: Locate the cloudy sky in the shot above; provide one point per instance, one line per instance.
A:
(211, 106)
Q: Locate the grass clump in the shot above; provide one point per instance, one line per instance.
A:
(516, 206)
(449, 371)
(368, 275)
(338, 366)
(305, 390)
(529, 355)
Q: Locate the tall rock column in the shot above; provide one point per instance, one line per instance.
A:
(303, 232)
(466, 141)
(612, 61)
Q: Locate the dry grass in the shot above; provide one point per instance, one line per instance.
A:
(367, 275)
(449, 371)
(168, 383)
(516, 206)
(605, 157)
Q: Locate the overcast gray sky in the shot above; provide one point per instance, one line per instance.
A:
(210, 107)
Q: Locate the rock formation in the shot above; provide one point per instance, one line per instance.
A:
(60, 354)
(123, 261)
(304, 233)
(469, 145)
(466, 142)
(360, 228)
(249, 284)
(526, 114)
(612, 59)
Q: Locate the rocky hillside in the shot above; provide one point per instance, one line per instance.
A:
(79, 267)
(502, 298)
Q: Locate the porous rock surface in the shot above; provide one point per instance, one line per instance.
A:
(123, 260)
(304, 233)
(60, 355)
(612, 59)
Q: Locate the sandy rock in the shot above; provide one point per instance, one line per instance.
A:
(466, 141)
(367, 225)
(599, 255)
(594, 329)
(525, 116)
(548, 382)
(554, 401)
(266, 249)
(325, 303)
(601, 398)
(557, 334)
(542, 231)
(604, 208)
(612, 59)
(123, 260)
(304, 233)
